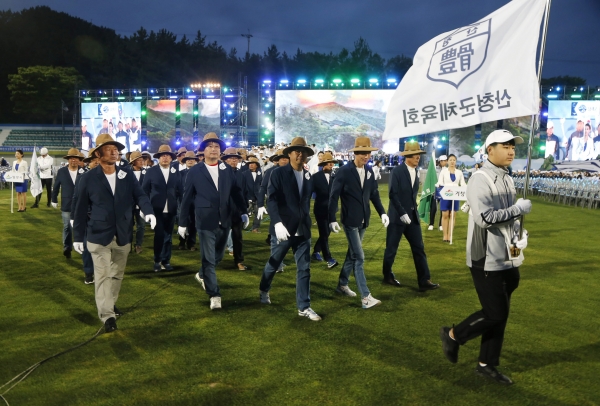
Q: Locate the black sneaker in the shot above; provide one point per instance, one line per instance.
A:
(118, 313)
(167, 267)
(492, 373)
(110, 325)
(449, 346)
(157, 267)
(67, 254)
(89, 279)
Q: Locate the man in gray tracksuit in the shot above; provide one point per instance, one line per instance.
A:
(494, 254)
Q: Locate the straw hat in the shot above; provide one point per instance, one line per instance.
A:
(275, 157)
(146, 154)
(242, 152)
(90, 155)
(190, 155)
(212, 137)
(363, 144)
(199, 153)
(412, 148)
(253, 160)
(181, 150)
(165, 149)
(299, 143)
(106, 139)
(327, 158)
(73, 153)
(134, 155)
(230, 153)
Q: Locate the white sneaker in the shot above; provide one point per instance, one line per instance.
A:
(310, 313)
(345, 290)
(215, 302)
(370, 301)
(200, 280)
(430, 228)
(441, 228)
(264, 297)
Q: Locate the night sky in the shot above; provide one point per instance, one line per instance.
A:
(391, 27)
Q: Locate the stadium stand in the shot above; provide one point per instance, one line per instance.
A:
(51, 139)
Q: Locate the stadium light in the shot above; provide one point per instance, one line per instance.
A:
(301, 81)
(355, 80)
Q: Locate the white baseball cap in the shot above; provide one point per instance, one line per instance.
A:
(443, 158)
(500, 137)
(44, 151)
(83, 123)
(550, 124)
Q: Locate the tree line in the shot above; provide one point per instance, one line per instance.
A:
(84, 55)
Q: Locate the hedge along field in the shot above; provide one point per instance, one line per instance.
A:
(172, 349)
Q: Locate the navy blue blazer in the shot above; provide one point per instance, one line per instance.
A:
(403, 195)
(142, 175)
(109, 215)
(64, 183)
(355, 200)
(236, 214)
(322, 191)
(251, 186)
(260, 199)
(212, 206)
(161, 192)
(284, 203)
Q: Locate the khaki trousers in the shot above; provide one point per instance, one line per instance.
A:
(109, 267)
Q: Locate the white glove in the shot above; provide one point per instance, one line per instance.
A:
(261, 212)
(405, 219)
(151, 219)
(335, 227)
(71, 221)
(524, 205)
(78, 247)
(182, 231)
(246, 220)
(281, 232)
(522, 244)
(55, 205)
(385, 220)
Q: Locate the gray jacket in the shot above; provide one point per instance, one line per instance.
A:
(492, 220)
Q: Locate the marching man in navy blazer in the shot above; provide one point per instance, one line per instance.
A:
(355, 184)
(66, 178)
(136, 160)
(278, 159)
(404, 218)
(65, 183)
(288, 202)
(106, 196)
(211, 187)
(252, 181)
(323, 181)
(162, 186)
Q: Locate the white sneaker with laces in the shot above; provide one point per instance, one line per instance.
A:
(430, 228)
(215, 302)
(345, 290)
(264, 297)
(370, 301)
(441, 228)
(310, 313)
(200, 280)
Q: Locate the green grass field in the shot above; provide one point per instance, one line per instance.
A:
(171, 349)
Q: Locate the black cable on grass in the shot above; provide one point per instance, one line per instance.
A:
(23, 375)
(32, 368)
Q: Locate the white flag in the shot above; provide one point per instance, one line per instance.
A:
(478, 73)
(34, 175)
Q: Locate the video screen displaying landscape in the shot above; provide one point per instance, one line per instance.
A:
(332, 118)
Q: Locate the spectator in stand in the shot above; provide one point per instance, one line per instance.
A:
(377, 169)
(20, 165)
(3, 162)
(45, 163)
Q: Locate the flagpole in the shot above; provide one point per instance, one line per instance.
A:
(534, 117)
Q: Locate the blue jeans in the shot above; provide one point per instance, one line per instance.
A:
(140, 226)
(301, 249)
(67, 232)
(86, 257)
(355, 260)
(212, 248)
(163, 237)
